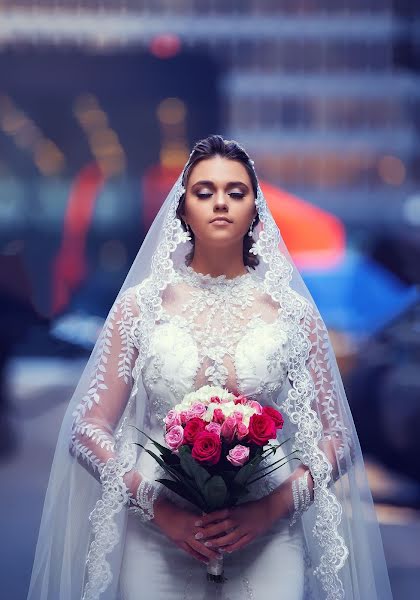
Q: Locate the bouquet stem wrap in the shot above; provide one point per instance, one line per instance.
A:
(215, 570)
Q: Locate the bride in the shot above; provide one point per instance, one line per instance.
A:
(212, 298)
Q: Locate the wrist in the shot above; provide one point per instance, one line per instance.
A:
(144, 496)
(163, 510)
(280, 502)
(277, 504)
(301, 492)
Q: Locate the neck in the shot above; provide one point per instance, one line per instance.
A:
(218, 261)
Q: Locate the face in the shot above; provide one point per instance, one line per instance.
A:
(220, 203)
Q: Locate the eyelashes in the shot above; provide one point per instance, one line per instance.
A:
(235, 195)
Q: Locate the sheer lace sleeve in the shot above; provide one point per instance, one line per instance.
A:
(97, 415)
(322, 437)
(335, 440)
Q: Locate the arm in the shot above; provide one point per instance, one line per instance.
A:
(100, 410)
(297, 492)
(323, 444)
(97, 415)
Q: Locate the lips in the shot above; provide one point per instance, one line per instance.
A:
(221, 219)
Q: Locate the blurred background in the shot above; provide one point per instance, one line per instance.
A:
(100, 104)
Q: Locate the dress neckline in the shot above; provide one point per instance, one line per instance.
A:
(201, 280)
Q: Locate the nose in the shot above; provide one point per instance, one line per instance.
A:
(220, 201)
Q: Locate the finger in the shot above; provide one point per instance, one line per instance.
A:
(215, 529)
(217, 515)
(202, 549)
(229, 538)
(243, 541)
(194, 553)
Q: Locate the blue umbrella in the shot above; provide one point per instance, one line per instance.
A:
(358, 296)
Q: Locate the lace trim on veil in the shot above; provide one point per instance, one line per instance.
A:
(297, 405)
(114, 493)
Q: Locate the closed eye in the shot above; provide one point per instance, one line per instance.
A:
(235, 195)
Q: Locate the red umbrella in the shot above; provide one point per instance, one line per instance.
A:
(314, 237)
(70, 265)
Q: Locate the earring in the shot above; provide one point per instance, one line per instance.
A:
(188, 234)
(250, 227)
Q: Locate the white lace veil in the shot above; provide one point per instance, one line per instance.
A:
(81, 538)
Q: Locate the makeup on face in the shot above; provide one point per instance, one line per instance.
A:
(197, 189)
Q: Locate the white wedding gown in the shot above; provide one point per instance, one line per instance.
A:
(209, 331)
(213, 331)
(171, 331)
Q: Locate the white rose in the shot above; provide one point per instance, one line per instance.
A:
(228, 408)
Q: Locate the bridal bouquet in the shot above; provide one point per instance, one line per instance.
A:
(215, 444)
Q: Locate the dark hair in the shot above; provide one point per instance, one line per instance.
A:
(216, 145)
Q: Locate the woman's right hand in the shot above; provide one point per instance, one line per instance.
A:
(179, 525)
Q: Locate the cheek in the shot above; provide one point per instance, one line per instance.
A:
(193, 211)
(246, 215)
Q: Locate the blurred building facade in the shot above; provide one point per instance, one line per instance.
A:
(324, 94)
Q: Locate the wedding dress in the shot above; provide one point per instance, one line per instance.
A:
(170, 331)
(224, 332)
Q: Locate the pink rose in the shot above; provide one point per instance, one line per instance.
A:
(242, 430)
(256, 406)
(238, 416)
(174, 437)
(218, 416)
(172, 419)
(214, 428)
(197, 410)
(228, 429)
(184, 415)
(238, 455)
(241, 400)
(215, 399)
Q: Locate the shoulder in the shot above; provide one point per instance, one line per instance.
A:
(301, 303)
(286, 298)
(126, 304)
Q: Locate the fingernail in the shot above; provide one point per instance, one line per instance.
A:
(199, 535)
(198, 523)
(208, 544)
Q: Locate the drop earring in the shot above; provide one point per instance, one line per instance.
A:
(250, 228)
(188, 234)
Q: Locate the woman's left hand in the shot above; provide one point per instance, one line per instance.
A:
(233, 528)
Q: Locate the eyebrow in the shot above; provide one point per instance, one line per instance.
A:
(229, 184)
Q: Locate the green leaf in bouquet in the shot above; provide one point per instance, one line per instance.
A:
(248, 469)
(236, 491)
(169, 469)
(185, 460)
(166, 452)
(283, 461)
(192, 468)
(272, 448)
(184, 491)
(215, 492)
(229, 476)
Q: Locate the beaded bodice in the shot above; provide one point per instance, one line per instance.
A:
(215, 331)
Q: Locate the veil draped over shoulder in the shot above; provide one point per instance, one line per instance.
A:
(81, 537)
